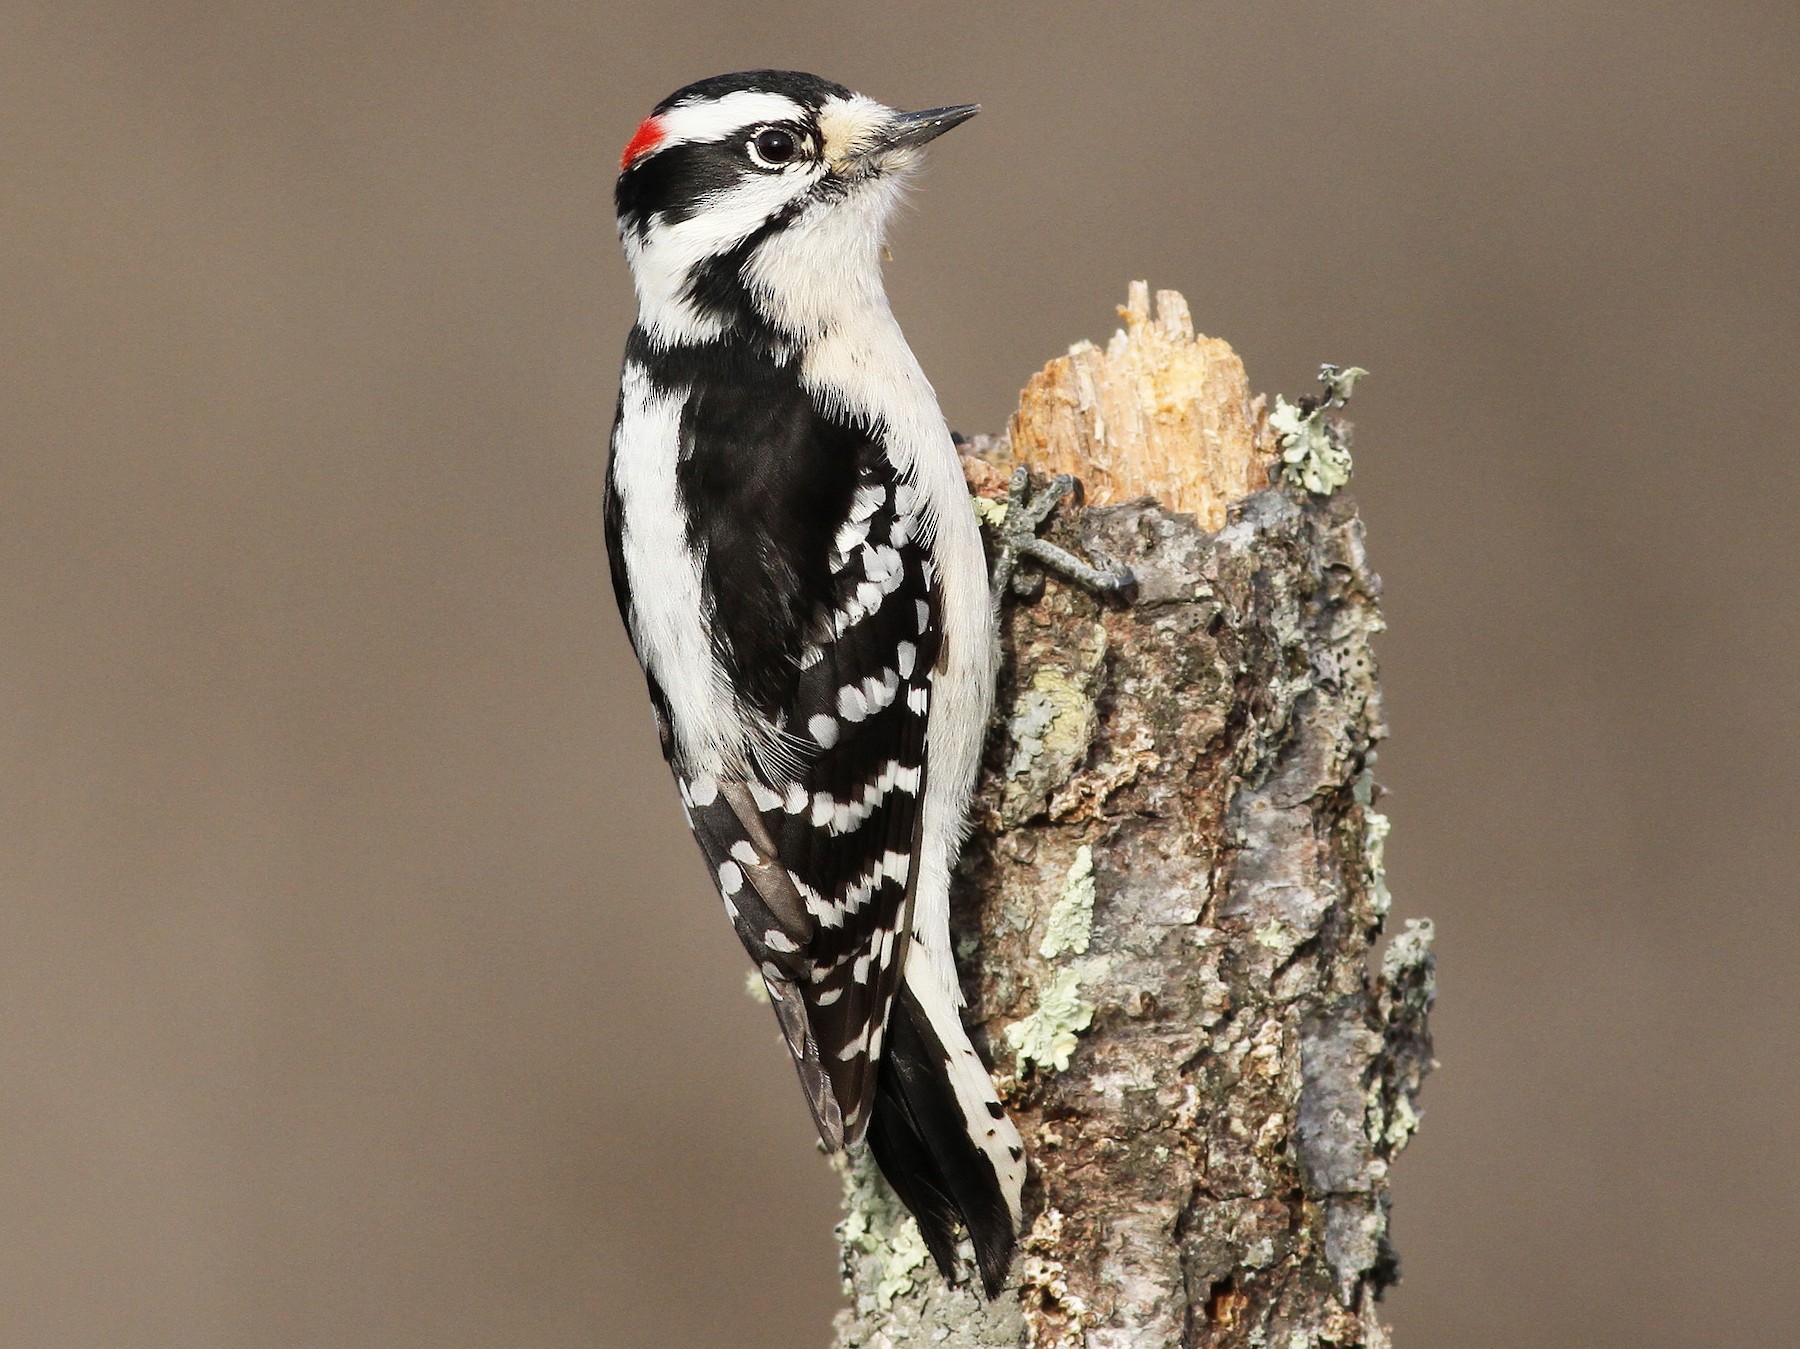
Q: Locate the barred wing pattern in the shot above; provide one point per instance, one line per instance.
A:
(817, 867)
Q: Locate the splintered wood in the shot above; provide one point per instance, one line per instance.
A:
(1160, 413)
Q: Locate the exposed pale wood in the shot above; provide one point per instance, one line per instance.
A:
(1161, 413)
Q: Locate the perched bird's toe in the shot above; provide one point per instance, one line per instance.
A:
(1015, 535)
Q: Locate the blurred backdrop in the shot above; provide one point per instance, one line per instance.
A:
(358, 983)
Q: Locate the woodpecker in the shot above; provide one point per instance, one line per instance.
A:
(796, 559)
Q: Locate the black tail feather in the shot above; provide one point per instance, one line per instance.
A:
(921, 1142)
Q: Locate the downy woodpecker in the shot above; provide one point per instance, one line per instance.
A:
(799, 568)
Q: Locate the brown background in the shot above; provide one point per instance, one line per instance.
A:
(358, 986)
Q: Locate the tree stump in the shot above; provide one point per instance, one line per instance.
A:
(1167, 915)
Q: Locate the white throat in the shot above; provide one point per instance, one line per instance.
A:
(818, 273)
(823, 272)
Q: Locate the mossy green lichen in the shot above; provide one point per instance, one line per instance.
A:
(1375, 831)
(875, 1223)
(905, 1256)
(1070, 925)
(988, 511)
(1314, 450)
(1273, 936)
(1047, 1037)
(1053, 715)
(1402, 1124)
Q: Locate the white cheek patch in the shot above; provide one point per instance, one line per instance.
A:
(664, 257)
(726, 218)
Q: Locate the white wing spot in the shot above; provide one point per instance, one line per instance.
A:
(731, 877)
(766, 800)
(881, 563)
(904, 657)
(703, 790)
(868, 499)
(924, 616)
(777, 940)
(852, 706)
(848, 540)
(918, 700)
(824, 729)
(828, 997)
(745, 853)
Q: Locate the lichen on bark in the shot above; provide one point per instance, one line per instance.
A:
(1167, 921)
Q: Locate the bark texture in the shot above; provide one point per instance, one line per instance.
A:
(1167, 922)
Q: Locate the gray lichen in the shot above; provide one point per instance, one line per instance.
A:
(1315, 448)
(877, 1225)
(1375, 832)
(1046, 1038)
(896, 1296)
(1071, 922)
(1051, 726)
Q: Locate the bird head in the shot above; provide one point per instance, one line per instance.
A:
(756, 203)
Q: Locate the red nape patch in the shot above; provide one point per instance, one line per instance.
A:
(649, 134)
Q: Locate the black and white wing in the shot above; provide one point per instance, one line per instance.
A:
(816, 862)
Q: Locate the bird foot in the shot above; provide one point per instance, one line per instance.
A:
(1015, 528)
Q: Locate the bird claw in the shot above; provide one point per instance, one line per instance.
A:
(1015, 537)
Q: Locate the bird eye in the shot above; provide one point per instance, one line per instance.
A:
(772, 146)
